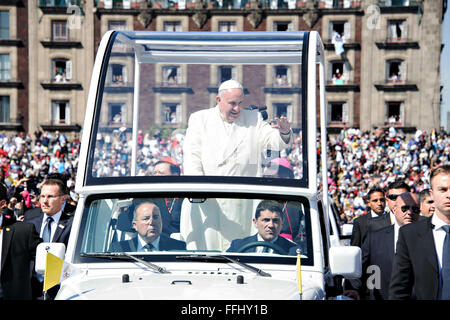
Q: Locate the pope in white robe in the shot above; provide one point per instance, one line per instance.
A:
(226, 140)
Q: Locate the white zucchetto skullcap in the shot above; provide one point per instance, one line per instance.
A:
(230, 84)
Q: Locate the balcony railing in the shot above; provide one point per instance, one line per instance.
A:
(58, 3)
(221, 4)
(398, 3)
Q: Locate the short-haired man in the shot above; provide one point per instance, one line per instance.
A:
(393, 190)
(426, 203)
(53, 223)
(374, 219)
(166, 168)
(18, 244)
(171, 207)
(268, 221)
(379, 247)
(422, 260)
(147, 222)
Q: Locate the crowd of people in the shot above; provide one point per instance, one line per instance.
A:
(26, 160)
(357, 161)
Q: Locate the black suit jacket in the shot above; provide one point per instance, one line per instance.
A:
(18, 251)
(415, 263)
(282, 242)
(362, 225)
(62, 232)
(165, 243)
(378, 250)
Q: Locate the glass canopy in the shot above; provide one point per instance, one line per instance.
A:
(157, 100)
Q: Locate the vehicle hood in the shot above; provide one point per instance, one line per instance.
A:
(185, 286)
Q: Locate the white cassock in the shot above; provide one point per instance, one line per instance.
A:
(214, 147)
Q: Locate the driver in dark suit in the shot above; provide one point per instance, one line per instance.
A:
(268, 221)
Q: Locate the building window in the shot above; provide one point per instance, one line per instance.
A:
(117, 25)
(395, 71)
(60, 112)
(227, 4)
(282, 109)
(172, 26)
(115, 114)
(4, 24)
(282, 26)
(60, 32)
(337, 113)
(397, 30)
(396, 3)
(227, 26)
(118, 74)
(226, 73)
(171, 113)
(61, 70)
(394, 113)
(5, 67)
(339, 29)
(278, 4)
(4, 109)
(282, 76)
(339, 73)
(172, 75)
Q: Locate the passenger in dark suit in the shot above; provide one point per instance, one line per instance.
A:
(421, 260)
(147, 221)
(18, 250)
(268, 221)
(171, 208)
(379, 248)
(57, 229)
(374, 219)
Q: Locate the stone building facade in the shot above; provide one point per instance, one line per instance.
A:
(382, 58)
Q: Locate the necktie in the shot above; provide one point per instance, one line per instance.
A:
(46, 235)
(148, 247)
(446, 265)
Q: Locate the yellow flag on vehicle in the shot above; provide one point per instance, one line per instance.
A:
(299, 273)
(57, 270)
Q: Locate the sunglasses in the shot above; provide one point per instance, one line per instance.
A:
(392, 197)
(414, 209)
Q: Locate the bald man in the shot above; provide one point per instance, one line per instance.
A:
(148, 224)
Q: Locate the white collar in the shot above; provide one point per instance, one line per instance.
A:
(262, 240)
(437, 222)
(142, 243)
(55, 217)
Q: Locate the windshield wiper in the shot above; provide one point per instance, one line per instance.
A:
(222, 258)
(126, 256)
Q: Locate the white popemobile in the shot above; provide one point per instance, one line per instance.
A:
(146, 84)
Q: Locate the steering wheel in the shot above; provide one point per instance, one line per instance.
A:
(253, 244)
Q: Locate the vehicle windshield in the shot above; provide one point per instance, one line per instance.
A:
(254, 229)
(155, 89)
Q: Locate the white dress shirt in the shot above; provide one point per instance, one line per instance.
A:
(261, 248)
(142, 243)
(54, 224)
(439, 237)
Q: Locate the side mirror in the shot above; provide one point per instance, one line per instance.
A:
(346, 261)
(55, 248)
